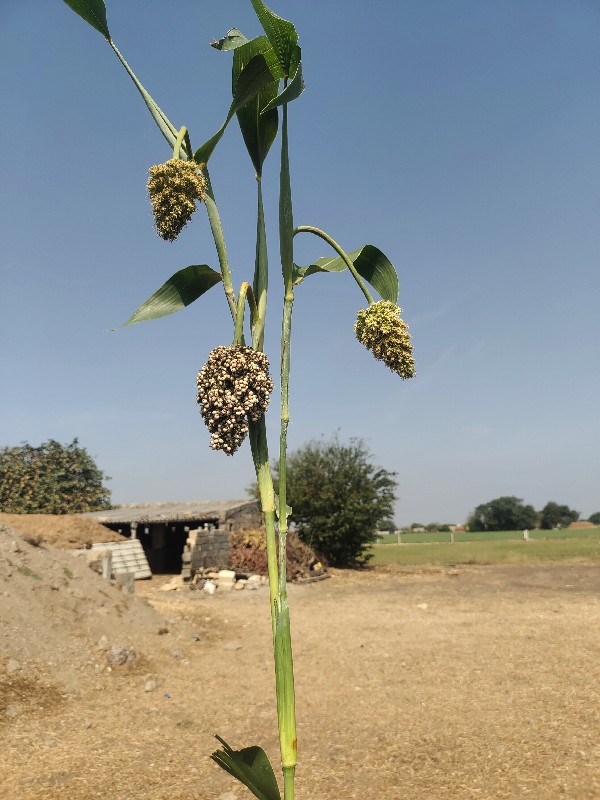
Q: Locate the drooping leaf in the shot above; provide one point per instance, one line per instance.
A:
(93, 12)
(370, 263)
(281, 33)
(258, 130)
(179, 291)
(251, 767)
(293, 90)
(232, 39)
(254, 77)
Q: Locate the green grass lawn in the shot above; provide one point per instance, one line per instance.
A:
(491, 551)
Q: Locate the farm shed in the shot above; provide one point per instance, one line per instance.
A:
(163, 528)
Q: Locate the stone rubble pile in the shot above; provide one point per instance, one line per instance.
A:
(225, 580)
(211, 581)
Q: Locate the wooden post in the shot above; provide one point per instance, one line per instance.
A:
(107, 565)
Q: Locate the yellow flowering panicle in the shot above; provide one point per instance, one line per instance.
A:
(233, 385)
(173, 188)
(382, 331)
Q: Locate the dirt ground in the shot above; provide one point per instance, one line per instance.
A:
(434, 684)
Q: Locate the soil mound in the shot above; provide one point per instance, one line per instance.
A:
(61, 623)
(59, 530)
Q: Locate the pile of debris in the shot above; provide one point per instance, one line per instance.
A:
(211, 581)
(248, 553)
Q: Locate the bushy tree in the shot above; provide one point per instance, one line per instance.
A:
(594, 518)
(51, 479)
(339, 498)
(557, 516)
(502, 514)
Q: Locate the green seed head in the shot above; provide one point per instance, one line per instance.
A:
(173, 188)
(382, 331)
(233, 385)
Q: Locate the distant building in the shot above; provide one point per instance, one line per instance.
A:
(163, 528)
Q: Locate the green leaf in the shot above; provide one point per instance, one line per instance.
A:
(258, 130)
(293, 90)
(92, 11)
(254, 77)
(178, 292)
(282, 35)
(232, 39)
(370, 263)
(251, 767)
(168, 130)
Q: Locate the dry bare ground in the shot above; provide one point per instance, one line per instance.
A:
(436, 684)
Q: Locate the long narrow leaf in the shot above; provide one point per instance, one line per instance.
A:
(93, 12)
(251, 767)
(370, 263)
(282, 34)
(261, 273)
(168, 130)
(254, 77)
(179, 291)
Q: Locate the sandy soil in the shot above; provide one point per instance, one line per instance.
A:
(59, 530)
(437, 684)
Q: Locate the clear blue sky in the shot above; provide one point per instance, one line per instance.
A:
(461, 137)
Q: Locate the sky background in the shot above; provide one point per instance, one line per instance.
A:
(460, 137)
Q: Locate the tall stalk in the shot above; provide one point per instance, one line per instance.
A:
(286, 703)
(259, 65)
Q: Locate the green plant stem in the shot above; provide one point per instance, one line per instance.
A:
(260, 457)
(238, 333)
(286, 326)
(261, 272)
(288, 782)
(244, 294)
(344, 255)
(284, 666)
(219, 239)
(179, 141)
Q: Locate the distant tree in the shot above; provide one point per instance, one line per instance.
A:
(51, 479)
(557, 516)
(388, 525)
(594, 518)
(415, 525)
(502, 514)
(339, 498)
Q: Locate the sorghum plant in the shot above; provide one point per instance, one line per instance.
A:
(234, 386)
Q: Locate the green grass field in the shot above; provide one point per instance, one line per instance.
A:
(496, 548)
(491, 536)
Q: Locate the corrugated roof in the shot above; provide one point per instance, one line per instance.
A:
(169, 512)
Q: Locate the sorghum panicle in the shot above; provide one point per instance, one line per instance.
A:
(382, 331)
(233, 385)
(173, 188)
